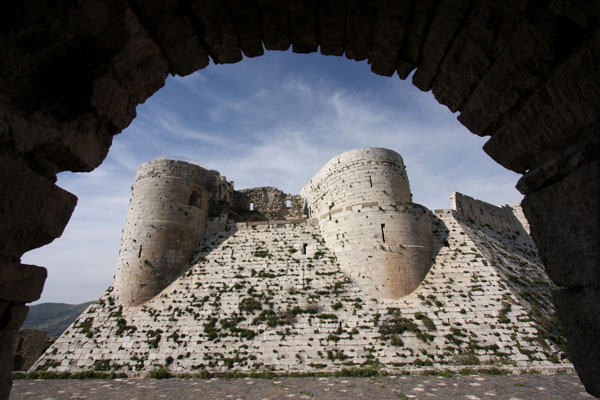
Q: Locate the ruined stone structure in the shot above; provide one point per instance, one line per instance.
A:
(30, 345)
(326, 291)
(523, 73)
(362, 201)
(166, 220)
(265, 203)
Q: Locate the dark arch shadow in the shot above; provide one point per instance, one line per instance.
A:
(60, 110)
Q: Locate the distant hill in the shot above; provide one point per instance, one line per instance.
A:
(53, 318)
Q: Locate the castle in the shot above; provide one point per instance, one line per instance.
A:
(348, 272)
(361, 200)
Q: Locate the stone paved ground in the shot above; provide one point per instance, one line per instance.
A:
(526, 387)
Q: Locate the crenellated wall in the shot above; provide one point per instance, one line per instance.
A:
(165, 222)
(362, 201)
(506, 218)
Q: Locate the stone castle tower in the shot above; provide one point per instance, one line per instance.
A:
(168, 210)
(363, 203)
(361, 200)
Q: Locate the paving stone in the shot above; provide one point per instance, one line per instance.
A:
(530, 387)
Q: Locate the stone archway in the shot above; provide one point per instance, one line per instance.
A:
(524, 73)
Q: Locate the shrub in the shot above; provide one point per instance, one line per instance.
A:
(426, 321)
(249, 305)
(467, 358)
(102, 365)
(67, 375)
(446, 373)
(154, 337)
(262, 253)
(398, 325)
(160, 373)
(86, 326)
(274, 319)
(502, 318)
(122, 327)
(327, 316)
(493, 371)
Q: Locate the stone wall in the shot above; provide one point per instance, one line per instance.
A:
(165, 222)
(501, 218)
(30, 345)
(221, 198)
(271, 295)
(362, 201)
(517, 211)
(267, 203)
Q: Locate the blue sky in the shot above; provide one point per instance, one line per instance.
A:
(274, 120)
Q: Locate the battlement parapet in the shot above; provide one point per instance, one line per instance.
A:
(507, 218)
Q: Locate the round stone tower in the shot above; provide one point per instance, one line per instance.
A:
(165, 222)
(363, 203)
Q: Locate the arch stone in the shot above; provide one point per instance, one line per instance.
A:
(524, 73)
